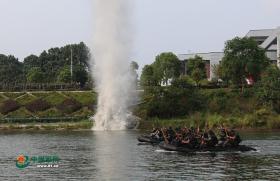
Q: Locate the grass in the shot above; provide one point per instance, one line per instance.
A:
(262, 118)
(13, 95)
(84, 98)
(25, 99)
(53, 112)
(54, 98)
(20, 113)
(2, 98)
(85, 111)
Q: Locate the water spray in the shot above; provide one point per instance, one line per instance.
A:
(111, 71)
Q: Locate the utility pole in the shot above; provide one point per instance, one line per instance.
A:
(278, 47)
(71, 69)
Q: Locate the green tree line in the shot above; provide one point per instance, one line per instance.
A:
(51, 66)
(243, 59)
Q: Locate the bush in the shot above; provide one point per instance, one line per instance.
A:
(69, 106)
(38, 105)
(9, 106)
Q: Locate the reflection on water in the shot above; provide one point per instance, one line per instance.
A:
(116, 156)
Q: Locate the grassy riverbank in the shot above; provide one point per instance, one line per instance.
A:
(80, 125)
(249, 121)
(213, 107)
(46, 104)
(47, 110)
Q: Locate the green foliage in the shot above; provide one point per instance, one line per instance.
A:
(198, 75)
(167, 66)
(80, 75)
(147, 77)
(196, 63)
(30, 62)
(183, 82)
(269, 89)
(46, 68)
(11, 70)
(35, 75)
(243, 58)
(171, 102)
(64, 75)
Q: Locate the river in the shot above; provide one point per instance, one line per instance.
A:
(86, 155)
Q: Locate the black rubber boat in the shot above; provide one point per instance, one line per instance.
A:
(148, 139)
(241, 148)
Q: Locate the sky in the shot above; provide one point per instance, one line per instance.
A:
(180, 26)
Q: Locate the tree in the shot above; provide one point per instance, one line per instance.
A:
(167, 66)
(269, 89)
(134, 65)
(196, 69)
(80, 75)
(133, 68)
(147, 77)
(183, 82)
(64, 75)
(243, 58)
(30, 62)
(11, 70)
(198, 75)
(196, 63)
(52, 61)
(35, 75)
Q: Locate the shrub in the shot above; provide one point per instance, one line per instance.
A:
(38, 105)
(273, 123)
(69, 106)
(8, 106)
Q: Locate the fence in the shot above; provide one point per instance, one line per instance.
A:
(43, 120)
(42, 87)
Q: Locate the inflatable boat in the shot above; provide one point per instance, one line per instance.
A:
(148, 139)
(241, 148)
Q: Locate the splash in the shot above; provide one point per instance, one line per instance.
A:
(111, 70)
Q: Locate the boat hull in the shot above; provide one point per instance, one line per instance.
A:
(241, 148)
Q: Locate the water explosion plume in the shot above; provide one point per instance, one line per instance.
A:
(111, 69)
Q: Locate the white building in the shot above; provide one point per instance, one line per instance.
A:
(269, 39)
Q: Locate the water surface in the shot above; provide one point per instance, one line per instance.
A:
(87, 155)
